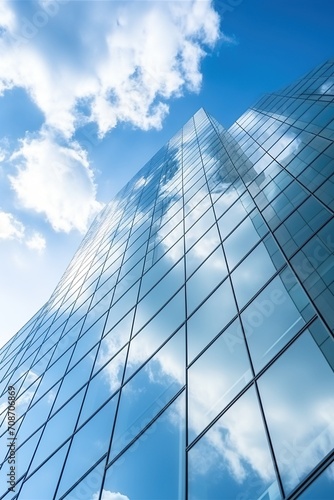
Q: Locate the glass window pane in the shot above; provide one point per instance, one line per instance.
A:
(202, 249)
(232, 460)
(225, 200)
(153, 468)
(120, 308)
(210, 319)
(252, 273)
(93, 436)
(37, 414)
(157, 331)
(89, 486)
(322, 488)
(149, 391)
(75, 379)
(216, 378)
(198, 221)
(231, 218)
(240, 242)
(298, 400)
(57, 430)
(111, 343)
(25, 451)
(159, 295)
(273, 318)
(88, 340)
(44, 482)
(156, 271)
(206, 278)
(103, 385)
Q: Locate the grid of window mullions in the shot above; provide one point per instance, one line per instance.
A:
(305, 242)
(295, 121)
(124, 369)
(9, 348)
(295, 179)
(197, 184)
(215, 419)
(253, 374)
(55, 399)
(69, 362)
(262, 411)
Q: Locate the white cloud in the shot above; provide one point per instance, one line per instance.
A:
(4, 149)
(10, 227)
(7, 18)
(55, 181)
(109, 495)
(36, 242)
(132, 58)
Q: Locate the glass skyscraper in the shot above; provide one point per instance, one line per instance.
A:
(187, 352)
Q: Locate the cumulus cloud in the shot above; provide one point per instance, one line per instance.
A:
(128, 59)
(36, 242)
(55, 181)
(10, 227)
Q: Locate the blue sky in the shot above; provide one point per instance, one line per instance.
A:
(89, 91)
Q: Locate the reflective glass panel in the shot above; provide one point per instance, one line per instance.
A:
(156, 332)
(93, 436)
(202, 249)
(24, 451)
(240, 242)
(155, 462)
(216, 378)
(232, 460)
(159, 295)
(43, 483)
(322, 488)
(271, 320)
(298, 400)
(252, 273)
(205, 279)
(149, 391)
(57, 430)
(75, 379)
(37, 414)
(103, 385)
(210, 319)
(89, 485)
(116, 338)
(231, 218)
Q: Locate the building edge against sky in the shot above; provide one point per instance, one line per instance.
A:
(187, 351)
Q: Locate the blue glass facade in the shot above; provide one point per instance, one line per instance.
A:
(187, 352)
